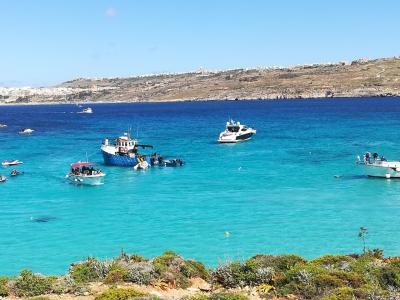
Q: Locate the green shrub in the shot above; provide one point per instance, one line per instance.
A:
(141, 273)
(228, 296)
(280, 263)
(116, 274)
(84, 272)
(137, 258)
(4, 292)
(389, 276)
(343, 293)
(236, 274)
(330, 262)
(193, 269)
(29, 284)
(304, 273)
(365, 291)
(231, 275)
(376, 253)
(162, 262)
(327, 282)
(351, 279)
(307, 281)
(120, 294)
(362, 265)
(91, 269)
(174, 270)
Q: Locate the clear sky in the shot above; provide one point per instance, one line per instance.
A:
(46, 41)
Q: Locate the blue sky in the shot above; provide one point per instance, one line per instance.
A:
(46, 42)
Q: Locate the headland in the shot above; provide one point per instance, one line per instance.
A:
(359, 78)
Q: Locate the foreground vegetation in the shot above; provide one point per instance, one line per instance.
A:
(330, 277)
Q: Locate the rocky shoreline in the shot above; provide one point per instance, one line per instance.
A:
(170, 276)
(360, 78)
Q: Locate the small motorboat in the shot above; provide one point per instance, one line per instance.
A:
(16, 173)
(15, 162)
(177, 162)
(375, 166)
(142, 165)
(84, 173)
(235, 132)
(87, 110)
(3, 178)
(26, 131)
(3, 125)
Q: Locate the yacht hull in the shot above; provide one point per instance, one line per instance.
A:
(236, 139)
(379, 171)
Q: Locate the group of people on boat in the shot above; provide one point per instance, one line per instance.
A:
(85, 171)
(168, 162)
(375, 157)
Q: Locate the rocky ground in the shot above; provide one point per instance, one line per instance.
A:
(379, 77)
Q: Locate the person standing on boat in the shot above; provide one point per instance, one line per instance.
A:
(375, 156)
(368, 157)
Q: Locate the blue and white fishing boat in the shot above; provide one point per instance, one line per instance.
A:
(124, 152)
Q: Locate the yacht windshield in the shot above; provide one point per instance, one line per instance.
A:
(233, 128)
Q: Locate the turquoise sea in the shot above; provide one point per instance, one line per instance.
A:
(274, 194)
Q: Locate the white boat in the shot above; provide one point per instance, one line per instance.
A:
(84, 173)
(3, 178)
(235, 132)
(3, 125)
(14, 162)
(375, 166)
(87, 110)
(141, 165)
(26, 131)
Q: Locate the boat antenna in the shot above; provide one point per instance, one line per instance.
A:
(87, 157)
(137, 132)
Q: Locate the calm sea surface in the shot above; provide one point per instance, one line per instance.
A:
(274, 194)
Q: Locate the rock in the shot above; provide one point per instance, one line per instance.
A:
(200, 284)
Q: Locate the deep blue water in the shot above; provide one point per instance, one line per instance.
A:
(275, 194)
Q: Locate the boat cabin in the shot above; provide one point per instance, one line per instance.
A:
(124, 141)
(233, 128)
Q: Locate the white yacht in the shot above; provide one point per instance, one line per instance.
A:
(87, 110)
(84, 173)
(26, 131)
(3, 125)
(375, 166)
(235, 132)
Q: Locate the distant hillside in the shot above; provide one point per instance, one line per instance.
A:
(379, 77)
